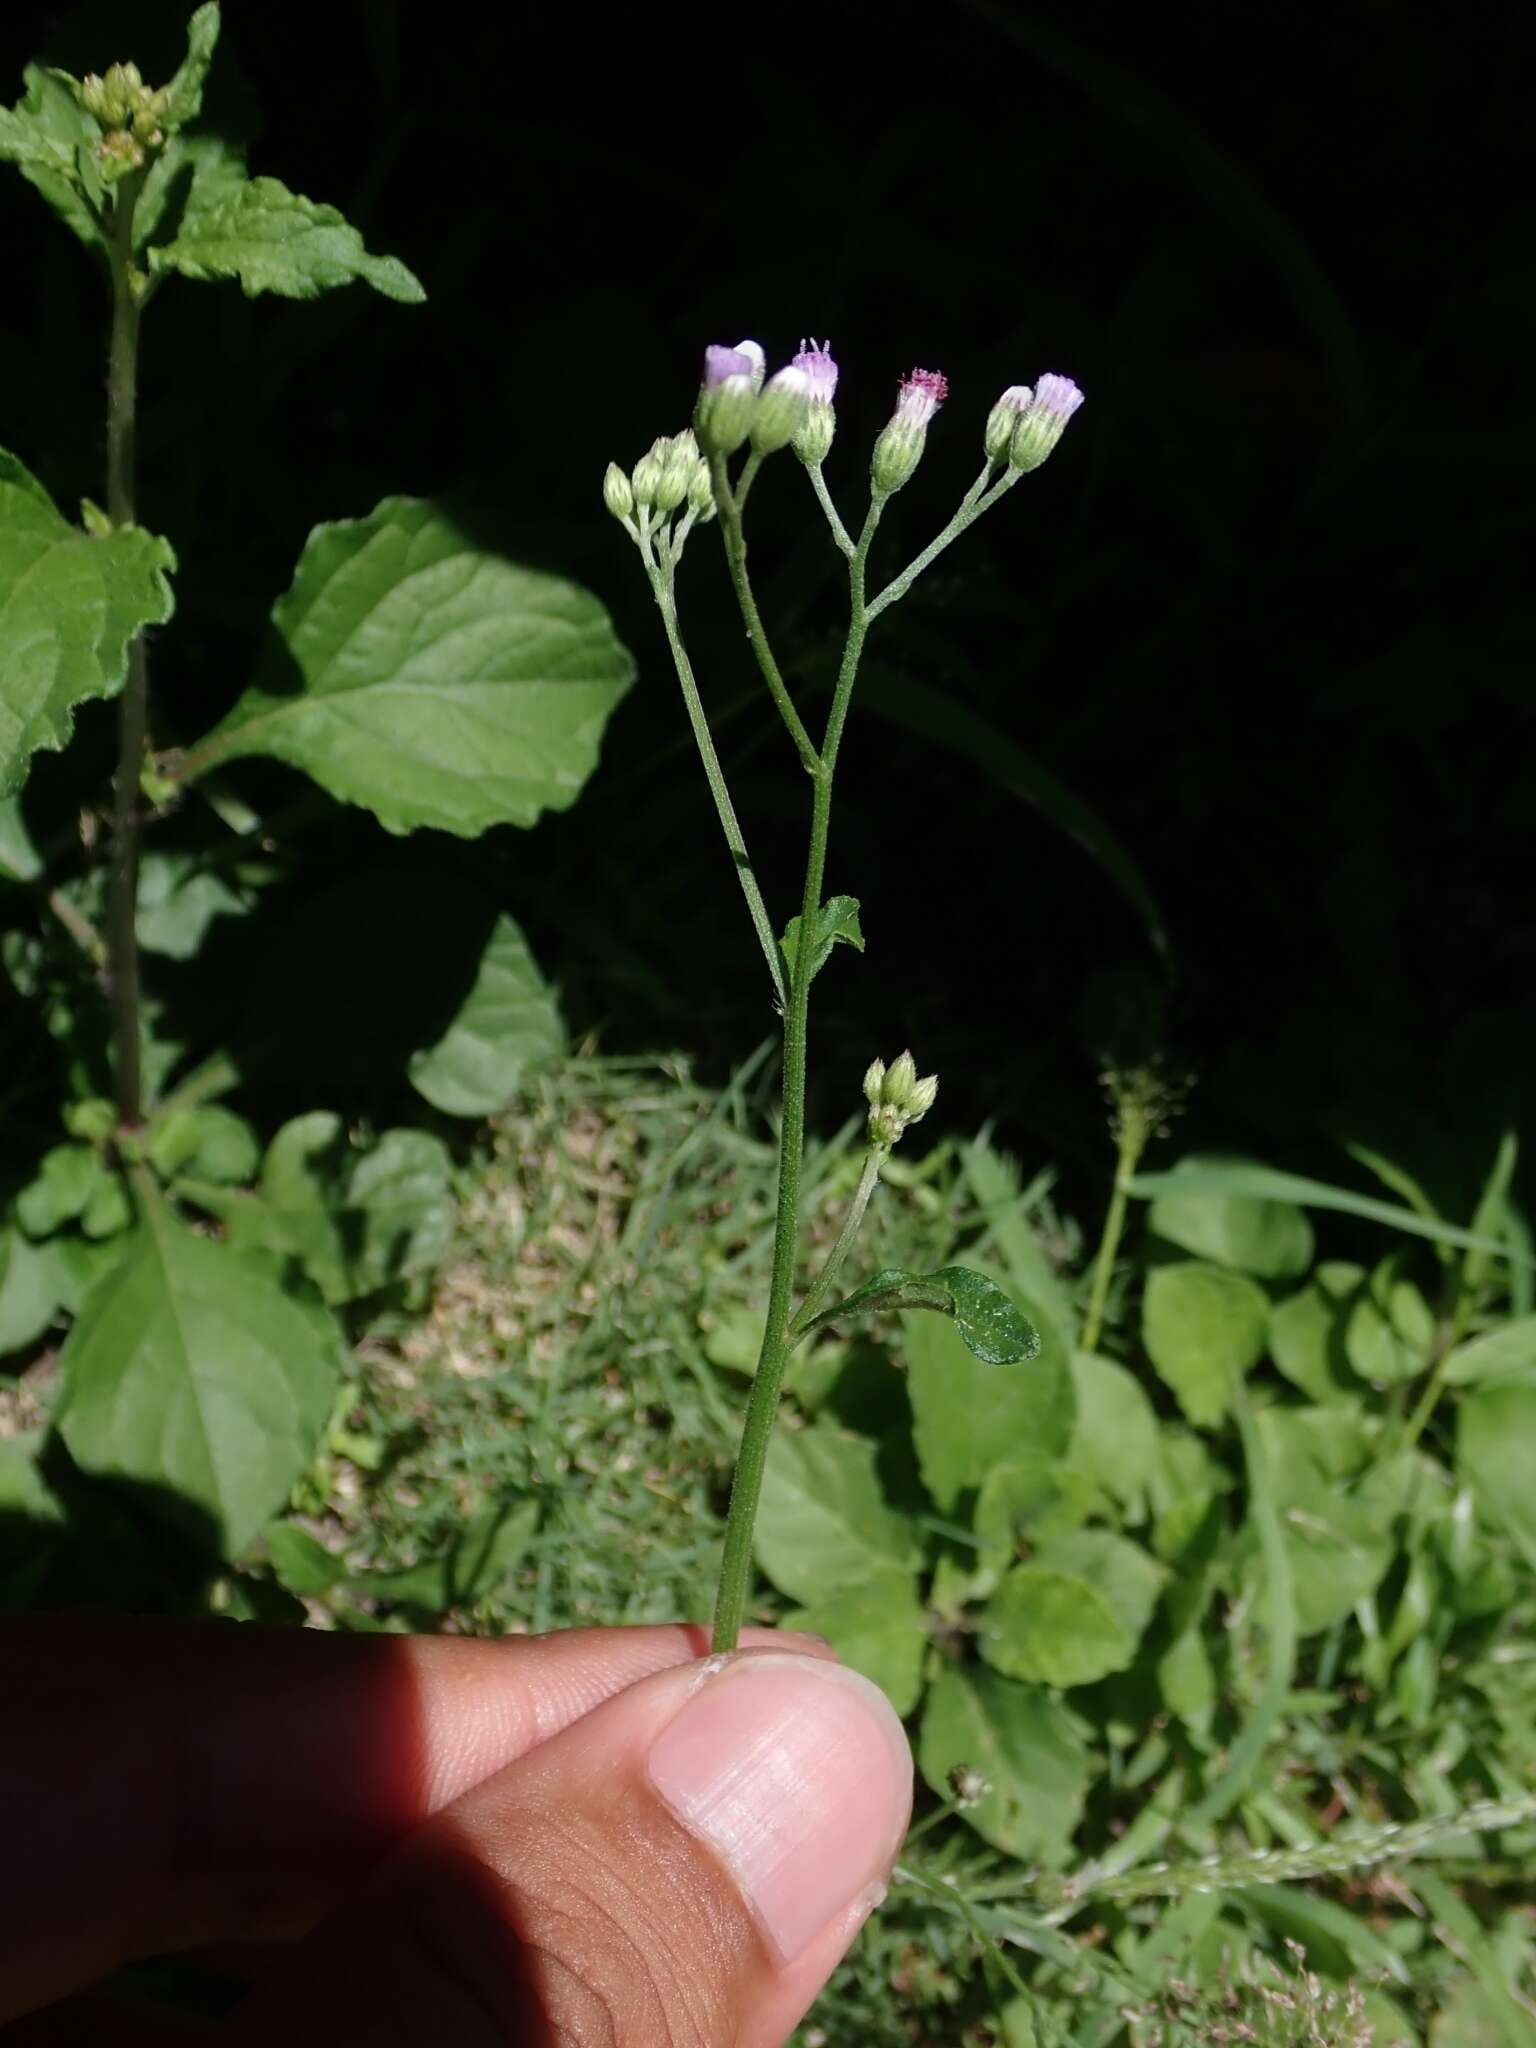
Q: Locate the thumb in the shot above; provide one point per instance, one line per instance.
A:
(681, 1868)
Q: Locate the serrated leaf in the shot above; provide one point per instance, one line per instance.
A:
(879, 1628)
(193, 176)
(184, 93)
(272, 240)
(837, 922)
(824, 1525)
(1269, 1239)
(993, 1330)
(354, 1220)
(509, 1023)
(69, 606)
(190, 1372)
(430, 680)
(1025, 1749)
(51, 139)
(1202, 1327)
(967, 1417)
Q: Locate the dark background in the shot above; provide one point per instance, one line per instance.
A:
(1266, 611)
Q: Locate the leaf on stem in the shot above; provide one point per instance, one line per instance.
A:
(991, 1327)
(184, 94)
(69, 607)
(51, 139)
(837, 921)
(426, 677)
(272, 240)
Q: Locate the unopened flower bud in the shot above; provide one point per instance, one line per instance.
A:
(901, 1079)
(1004, 418)
(780, 410)
(677, 463)
(1043, 421)
(899, 448)
(93, 95)
(897, 1097)
(701, 492)
(813, 442)
(618, 494)
(874, 1081)
(646, 477)
(727, 399)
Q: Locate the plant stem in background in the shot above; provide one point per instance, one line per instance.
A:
(869, 1180)
(133, 711)
(1142, 1100)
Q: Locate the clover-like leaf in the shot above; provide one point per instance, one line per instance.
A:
(269, 239)
(992, 1328)
(837, 922)
(69, 607)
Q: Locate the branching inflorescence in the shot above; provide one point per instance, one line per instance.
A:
(685, 481)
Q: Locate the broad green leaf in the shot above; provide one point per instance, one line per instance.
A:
(194, 175)
(1202, 1326)
(944, 721)
(1390, 1328)
(1114, 1438)
(1338, 1540)
(1496, 1457)
(354, 1220)
(1026, 1750)
(486, 1551)
(20, 860)
(1271, 1240)
(879, 1628)
(824, 1526)
(179, 898)
(31, 1289)
(184, 93)
(434, 682)
(69, 606)
(66, 1178)
(968, 1417)
(207, 1143)
(272, 240)
(190, 1372)
(1306, 1331)
(1507, 1352)
(1268, 1184)
(1075, 1612)
(837, 921)
(1033, 1496)
(509, 1023)
(51, 140)
(991, 1328)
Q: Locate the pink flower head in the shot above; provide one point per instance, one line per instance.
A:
(922, 393)
(1058, 396)
(721, 362)
(815, 359)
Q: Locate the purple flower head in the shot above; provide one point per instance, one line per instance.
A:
(721, 362)
(1058, 396)
(815, 358)
(922, 393)
(758, 362)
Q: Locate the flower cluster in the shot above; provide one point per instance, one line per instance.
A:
(670, 474)
(896, 1097)
(1024, 426)
(131, 115)
(738, 401)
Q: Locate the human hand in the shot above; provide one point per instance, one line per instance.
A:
(594, 1837)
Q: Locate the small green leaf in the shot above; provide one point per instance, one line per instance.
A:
(1505, 1353)
(879, 1628)
(509, 1023)
(31, 1289)
(968, 1417)
(1339, 1539)
(1306, 1331)
(301, 1563)
(991, 1327)
(274, 240)
(180, 896)
(51, 140)
(1496, 1457)
(1075, 1612)
(69, 606)
(184, 94)
(191, 1372)
(837, 922)
(824, 1526)
(193, 176)
(66, 1178)
(1114, 1439)
(1269, 1239)
(1202, 1327)
(429, 679)
(20, 860)
(354, 1220)
(207, 1143)
(1390, 1328)
(1026, 1750)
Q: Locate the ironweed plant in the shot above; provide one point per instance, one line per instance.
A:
(685, 481)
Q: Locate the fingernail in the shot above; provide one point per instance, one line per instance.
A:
(797, 1773)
